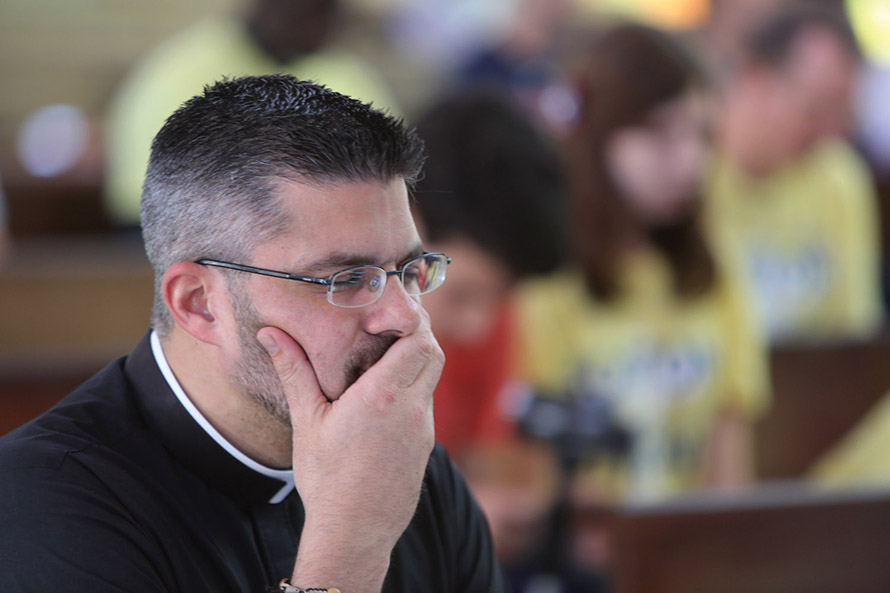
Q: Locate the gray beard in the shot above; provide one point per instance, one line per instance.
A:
(255, 374)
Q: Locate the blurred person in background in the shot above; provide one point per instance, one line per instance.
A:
(525, 61)
(644, 338)
(789, 203)
(268, 36)
(719, 41)
(492, 195)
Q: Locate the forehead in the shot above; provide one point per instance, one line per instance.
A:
(366, 221)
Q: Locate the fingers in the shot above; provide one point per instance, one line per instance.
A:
(410, 360)
(304, 396)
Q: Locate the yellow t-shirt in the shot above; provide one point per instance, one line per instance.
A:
(862, 456)
(178, 70)
(665, 367)
(803, 243)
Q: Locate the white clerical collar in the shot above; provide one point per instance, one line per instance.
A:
(283, 475)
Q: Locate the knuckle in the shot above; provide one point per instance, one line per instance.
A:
(429, 347)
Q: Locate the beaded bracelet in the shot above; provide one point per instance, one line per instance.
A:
(285, 587)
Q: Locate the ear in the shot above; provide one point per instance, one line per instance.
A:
(191, 292)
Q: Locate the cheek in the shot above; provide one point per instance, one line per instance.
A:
(788, 120)
(328, 349)
(442, 307)
(463, 313)
(687, 165)
(326, 344)
(326, 334)
(464, 309)
(639, 171)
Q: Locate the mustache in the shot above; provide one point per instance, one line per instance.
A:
(363, 359)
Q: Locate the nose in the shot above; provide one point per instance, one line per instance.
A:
(396, 313)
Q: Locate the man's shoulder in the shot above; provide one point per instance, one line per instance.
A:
(843, 170)
(78, 498)
(98, 412)
(837, 153)
(93, 452)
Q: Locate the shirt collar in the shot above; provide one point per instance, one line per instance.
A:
(192, 438)
(286, 476)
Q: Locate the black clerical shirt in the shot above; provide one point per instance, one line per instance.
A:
(118, 489)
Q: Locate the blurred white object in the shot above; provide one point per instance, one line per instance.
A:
(444, 32)
(52, 140)
(559, 105)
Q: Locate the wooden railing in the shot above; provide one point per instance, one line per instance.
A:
(68, 308)
(772, 539)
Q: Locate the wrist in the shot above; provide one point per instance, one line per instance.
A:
(285, 587)
(348, 536)
(341, 562)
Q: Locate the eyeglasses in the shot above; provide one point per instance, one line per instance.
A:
(362, 285)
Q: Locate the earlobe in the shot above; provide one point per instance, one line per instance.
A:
(188, 289)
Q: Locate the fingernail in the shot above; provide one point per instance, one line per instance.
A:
(268, 343)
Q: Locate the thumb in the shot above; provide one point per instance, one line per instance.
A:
(304, 396)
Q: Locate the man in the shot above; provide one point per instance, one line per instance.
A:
(791, 206)
(272, 425)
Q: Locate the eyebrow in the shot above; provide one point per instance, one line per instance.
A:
(340, 260)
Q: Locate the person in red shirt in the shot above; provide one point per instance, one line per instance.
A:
(491, 198)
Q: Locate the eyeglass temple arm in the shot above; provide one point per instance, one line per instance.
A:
(262, 271)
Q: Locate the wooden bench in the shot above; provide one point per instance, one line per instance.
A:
(68, 308)
(775, 539)
(819, 394)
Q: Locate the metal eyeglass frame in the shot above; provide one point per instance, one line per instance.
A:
(329, 281)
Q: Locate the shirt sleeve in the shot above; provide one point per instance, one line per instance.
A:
(857, 224)
(747, 372)
(861, 456)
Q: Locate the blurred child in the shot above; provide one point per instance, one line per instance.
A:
(790, 204)
(644, 329)
(491, 197)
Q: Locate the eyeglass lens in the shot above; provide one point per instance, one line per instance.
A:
(363, 285)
